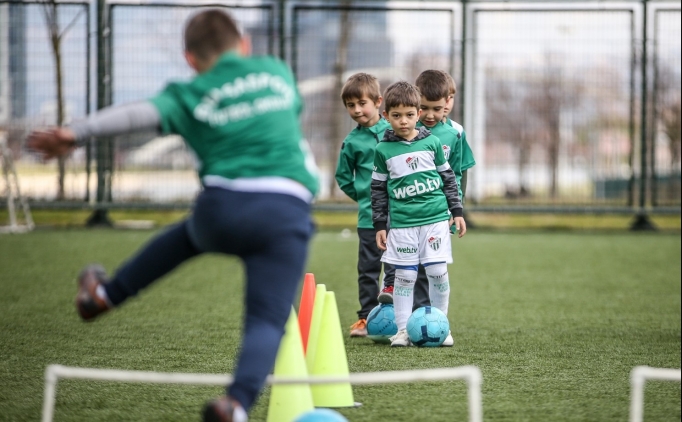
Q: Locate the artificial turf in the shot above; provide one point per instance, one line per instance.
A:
(555, 322)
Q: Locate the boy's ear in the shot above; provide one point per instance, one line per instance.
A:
(192, 60)
(245, 46)
(385, 114)
(379, 101)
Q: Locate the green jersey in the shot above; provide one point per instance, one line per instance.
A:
(241, 118)
(355, 165)
(412, 173)
(468, 160)
(452, 148)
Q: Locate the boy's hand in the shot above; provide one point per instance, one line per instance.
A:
(381, 239)
(460, 225)
(53, 142)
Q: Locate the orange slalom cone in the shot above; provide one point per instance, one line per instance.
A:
(288, 401)
(315, 324)
(331, 360)
(305, 309)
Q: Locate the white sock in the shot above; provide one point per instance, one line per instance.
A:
(239, 415)
(439, 286)
(403, 296)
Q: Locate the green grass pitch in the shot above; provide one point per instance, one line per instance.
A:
(555, 322)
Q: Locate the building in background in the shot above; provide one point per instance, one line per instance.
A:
(12, 62)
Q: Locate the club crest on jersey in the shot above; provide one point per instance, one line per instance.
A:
(446, 151)
(413, 162)
(434, 242)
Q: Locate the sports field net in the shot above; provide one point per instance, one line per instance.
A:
(638, 377)
(471, 374)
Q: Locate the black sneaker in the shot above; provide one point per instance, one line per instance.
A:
(88, 304)
(223, 409)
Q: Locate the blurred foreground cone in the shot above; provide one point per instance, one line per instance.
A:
(290, 400)
(305, 309)
(315, 324)
(330, 359)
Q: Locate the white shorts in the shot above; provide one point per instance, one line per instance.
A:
(414, 245)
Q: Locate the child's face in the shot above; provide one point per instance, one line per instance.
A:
(364, 110)
(403, 120)
(448, 106)
(432, 111)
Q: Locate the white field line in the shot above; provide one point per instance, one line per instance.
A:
(638, 378)
(471, 374)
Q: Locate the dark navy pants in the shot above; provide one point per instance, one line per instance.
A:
(369, 272)
(369, 268)
(270, 233)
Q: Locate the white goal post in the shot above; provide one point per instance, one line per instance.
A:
(471, 374)
(13, 192)
(638, 378)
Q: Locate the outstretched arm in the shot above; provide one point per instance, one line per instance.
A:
(111, 121)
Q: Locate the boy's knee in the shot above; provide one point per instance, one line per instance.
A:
(438, 270)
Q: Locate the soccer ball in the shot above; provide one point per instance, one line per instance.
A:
(321, 415)
(381, 323)
(428, 327)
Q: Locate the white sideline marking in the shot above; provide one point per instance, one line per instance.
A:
(471, 374)
(638, 378)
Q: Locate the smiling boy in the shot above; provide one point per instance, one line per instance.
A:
(361, 96)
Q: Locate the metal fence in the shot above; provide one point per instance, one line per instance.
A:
(567, 105)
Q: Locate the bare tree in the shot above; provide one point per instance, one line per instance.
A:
(51, 13)
(508, 120)
(670, 121)
(554, 95)
(668, 96)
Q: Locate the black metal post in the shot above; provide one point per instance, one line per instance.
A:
(100, 217)
(642, 222)
(282, 30)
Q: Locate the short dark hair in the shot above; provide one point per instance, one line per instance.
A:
(211, 32)
(359, 85)
(452, 86)
(433, 84)
(402, 94)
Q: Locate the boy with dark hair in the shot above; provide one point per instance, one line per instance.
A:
(250, 174)
(468, 160)
(361, 96)
(434, 88)
(413, 182)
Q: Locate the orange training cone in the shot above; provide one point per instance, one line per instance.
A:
(288, 401)
(315, 324)
(305, 309)
(331, 360)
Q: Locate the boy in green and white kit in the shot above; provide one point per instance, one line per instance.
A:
(361, 96)
(413, 179)
(433, 86)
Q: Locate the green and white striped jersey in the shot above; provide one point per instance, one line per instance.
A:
(411, 171)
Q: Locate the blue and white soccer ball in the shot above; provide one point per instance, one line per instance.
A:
(381, 323)
(428, 326)
(321, 415)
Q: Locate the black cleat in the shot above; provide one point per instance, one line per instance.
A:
(221, 409)
(88, 304)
